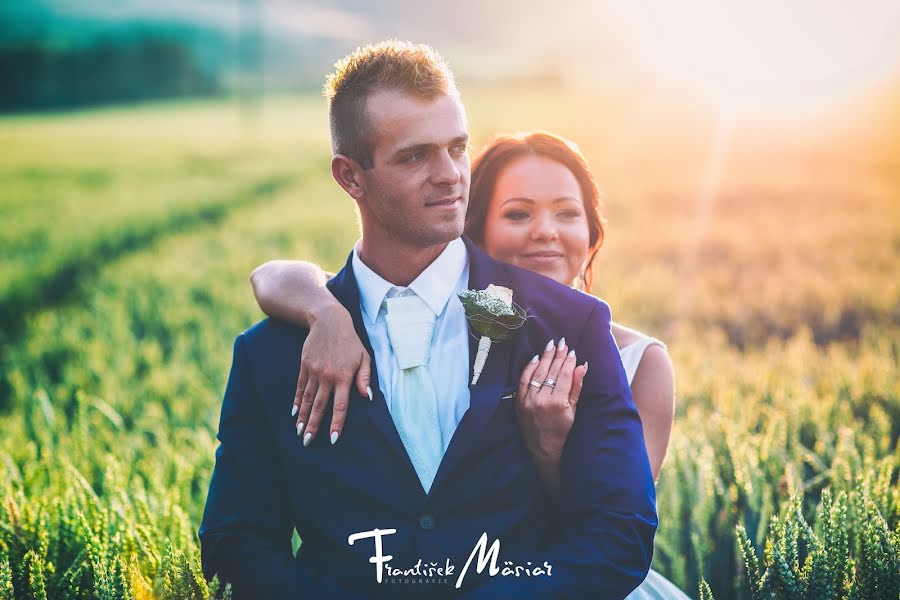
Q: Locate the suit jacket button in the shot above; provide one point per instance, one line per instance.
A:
(426, 522)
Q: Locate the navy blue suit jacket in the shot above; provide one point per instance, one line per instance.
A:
(266, 483)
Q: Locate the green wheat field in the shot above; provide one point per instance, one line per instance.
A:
(766, 253)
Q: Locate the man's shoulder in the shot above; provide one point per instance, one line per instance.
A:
(271, 334)
(270, 351)
(540, 295)
(552, 300)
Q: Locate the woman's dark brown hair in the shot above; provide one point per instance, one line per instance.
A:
(503, 150)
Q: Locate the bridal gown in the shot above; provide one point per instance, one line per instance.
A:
(655, 586)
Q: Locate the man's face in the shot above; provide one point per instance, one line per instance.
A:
(418, 188)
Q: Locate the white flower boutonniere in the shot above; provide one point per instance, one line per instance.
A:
(492, 317)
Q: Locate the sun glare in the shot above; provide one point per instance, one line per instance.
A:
(771, 51)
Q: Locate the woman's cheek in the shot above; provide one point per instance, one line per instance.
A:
(577, 237)
(507, 242)
(577, 242)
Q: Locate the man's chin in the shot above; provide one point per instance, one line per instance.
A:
(440, 235)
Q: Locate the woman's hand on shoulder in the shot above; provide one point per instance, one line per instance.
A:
(545, 406)
(333, 359)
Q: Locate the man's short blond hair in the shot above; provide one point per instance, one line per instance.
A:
(415, 69)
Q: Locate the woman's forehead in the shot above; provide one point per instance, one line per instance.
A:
(537, 178)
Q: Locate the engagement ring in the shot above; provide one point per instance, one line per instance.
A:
(550, 383)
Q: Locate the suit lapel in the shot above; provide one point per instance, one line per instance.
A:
(346, 290)
(493, 383)
(484, 396)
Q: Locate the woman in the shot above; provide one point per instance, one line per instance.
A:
(533, 203)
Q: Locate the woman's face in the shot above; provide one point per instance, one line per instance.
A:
(536, 219)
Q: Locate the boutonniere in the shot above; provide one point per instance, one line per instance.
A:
(492, 317)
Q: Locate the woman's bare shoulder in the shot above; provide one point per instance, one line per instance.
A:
(656, 361)
(625, 336)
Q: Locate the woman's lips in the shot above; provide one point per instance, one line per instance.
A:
(542, 257)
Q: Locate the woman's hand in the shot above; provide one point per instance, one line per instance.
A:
(332, 355)
(295, 292)
(545, 412)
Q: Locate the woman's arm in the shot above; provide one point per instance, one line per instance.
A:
(333, 357)
(292, 290)
(653, 392)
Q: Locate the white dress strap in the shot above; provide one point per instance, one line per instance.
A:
(633, 352)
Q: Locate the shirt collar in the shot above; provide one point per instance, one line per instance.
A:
(434, 285)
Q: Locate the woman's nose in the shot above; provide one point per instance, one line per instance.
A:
(544, 226)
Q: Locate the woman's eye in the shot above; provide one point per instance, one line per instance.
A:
(516, 215)
(570, 214)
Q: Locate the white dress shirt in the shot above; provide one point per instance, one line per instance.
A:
(448, 362)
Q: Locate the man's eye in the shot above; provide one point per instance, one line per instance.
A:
(461, 148)
(415, 157)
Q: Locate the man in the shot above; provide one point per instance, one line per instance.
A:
(432, 461)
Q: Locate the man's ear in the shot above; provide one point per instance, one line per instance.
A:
(348, 174)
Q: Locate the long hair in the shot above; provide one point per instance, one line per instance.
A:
(503, 150)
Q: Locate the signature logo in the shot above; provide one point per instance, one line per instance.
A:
(484, 557)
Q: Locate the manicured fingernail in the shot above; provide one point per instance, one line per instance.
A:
(294, 410)
(572, 353)
(562, 342)
(585, 366)
(307, 439)
(334, 437)
(300, 427)
(534, 359)
(369, 391)
(549, 346)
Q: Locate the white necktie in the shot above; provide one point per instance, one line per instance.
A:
(414, 408)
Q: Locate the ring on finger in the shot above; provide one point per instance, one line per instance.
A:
(550, 383)
(535, 384)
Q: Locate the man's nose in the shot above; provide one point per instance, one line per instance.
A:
(446, 172)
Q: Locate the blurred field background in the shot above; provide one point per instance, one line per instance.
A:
(754, 225)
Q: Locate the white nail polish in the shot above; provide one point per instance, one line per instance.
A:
(294, 410)
(300, 427)
(549, 346)
(534, 359)
(307, 439)
(572, 353)
(334, 437)
(369, 390)
(562, 342)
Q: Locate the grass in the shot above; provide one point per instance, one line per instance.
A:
(765, 255)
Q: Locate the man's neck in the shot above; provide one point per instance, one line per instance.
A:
(396, 262)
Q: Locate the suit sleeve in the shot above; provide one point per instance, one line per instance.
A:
(245, 535)
(604, 544)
